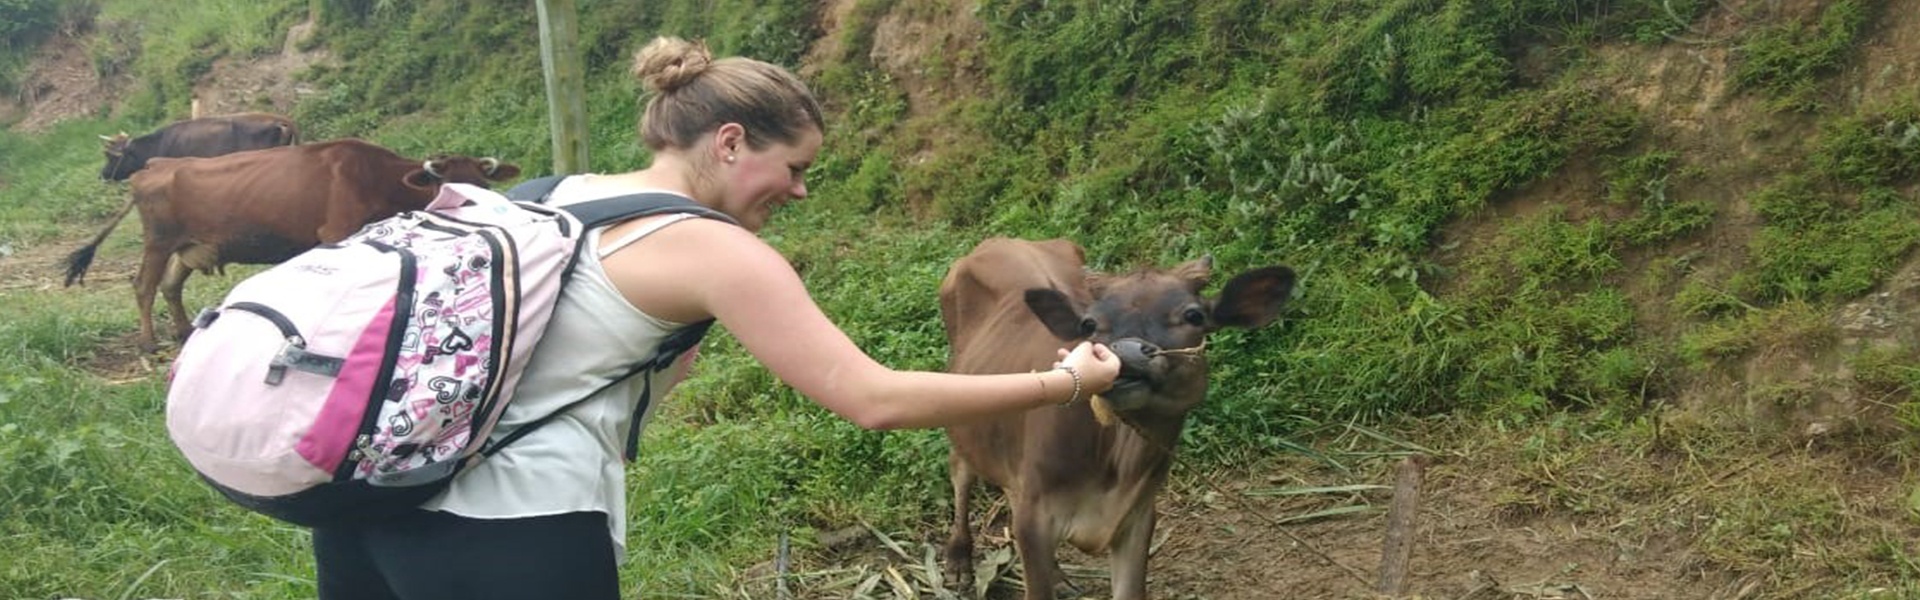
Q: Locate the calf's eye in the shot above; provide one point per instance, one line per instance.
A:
(1195, 316)
(1088, 326)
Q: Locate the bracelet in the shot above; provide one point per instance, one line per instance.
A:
(1076, 383)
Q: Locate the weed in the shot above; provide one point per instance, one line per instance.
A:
(1791, 324)
(1642, 182)
(1879, 148)
(1786, 60)
(1816, 245)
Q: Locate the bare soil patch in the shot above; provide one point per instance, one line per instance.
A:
(267, 84)
(61, 84)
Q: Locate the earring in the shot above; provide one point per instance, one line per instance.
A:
(729, 158)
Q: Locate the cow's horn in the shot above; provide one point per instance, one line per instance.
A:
(106, 138)
(490, 164)
(431, 170)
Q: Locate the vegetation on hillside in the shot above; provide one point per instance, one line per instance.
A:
(1341, 137)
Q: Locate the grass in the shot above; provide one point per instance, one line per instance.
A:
(102, 505)
(48, 190)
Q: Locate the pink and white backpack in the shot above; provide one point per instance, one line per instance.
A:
(355, 380)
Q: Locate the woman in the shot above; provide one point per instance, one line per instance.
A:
(546, 517)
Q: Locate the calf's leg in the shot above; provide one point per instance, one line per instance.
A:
(960, 538)
(1128, 560)
(1036, 537)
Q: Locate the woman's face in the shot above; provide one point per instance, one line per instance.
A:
(759, 181)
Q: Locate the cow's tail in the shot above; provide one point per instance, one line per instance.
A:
(78, 262)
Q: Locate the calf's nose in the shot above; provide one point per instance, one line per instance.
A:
(1135, 355)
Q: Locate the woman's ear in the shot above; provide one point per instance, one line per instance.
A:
(729, 140)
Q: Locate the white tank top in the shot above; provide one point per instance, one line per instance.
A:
(574, 462)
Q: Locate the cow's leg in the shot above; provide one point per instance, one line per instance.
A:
(960, 539)
(1035, 536)
(1128, 561)
(170, 288)
(153, 263)
(334, 231)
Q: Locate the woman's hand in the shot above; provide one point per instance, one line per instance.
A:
(1096, 364)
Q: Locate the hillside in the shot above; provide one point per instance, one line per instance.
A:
(1538, 512)
(1637, 277)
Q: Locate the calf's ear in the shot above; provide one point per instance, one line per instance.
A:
(1057, 313)
(1196, 273)
(1253, 299)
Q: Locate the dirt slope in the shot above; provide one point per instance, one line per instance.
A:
(63, 83)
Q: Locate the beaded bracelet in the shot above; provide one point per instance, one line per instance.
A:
(1076, 383)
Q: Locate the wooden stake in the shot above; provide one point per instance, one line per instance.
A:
(1402, 523)
(566, 84)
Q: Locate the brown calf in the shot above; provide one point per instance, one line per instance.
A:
(1008, 307)
(265, 206)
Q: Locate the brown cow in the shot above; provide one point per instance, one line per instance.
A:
(205, 136)
(265, 206)
(1008, 307)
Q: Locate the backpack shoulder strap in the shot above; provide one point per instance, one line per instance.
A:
(535, 190)
(594, 213)
(670, 349)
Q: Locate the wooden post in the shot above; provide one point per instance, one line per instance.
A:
(566, 84)
(1396, 555)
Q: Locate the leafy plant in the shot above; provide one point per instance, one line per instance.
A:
(1785, 60)
(1816, 245)
(23, 22)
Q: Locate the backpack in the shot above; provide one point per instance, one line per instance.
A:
(356, 380)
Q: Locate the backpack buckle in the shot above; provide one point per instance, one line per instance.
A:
(294, 355)
(205, 317)
(277, 368)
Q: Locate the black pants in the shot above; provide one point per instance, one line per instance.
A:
(432, 555)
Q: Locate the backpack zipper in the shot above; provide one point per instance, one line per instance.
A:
(403, 297)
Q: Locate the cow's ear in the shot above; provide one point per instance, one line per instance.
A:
(502, 171)
(1056, 312)
(420, 179)
(1253, 299)
(1196, 273)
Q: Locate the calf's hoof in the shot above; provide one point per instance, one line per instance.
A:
(961, 579)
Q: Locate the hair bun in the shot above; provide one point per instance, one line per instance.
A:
(669, 63)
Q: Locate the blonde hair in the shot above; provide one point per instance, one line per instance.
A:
(692, 93)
